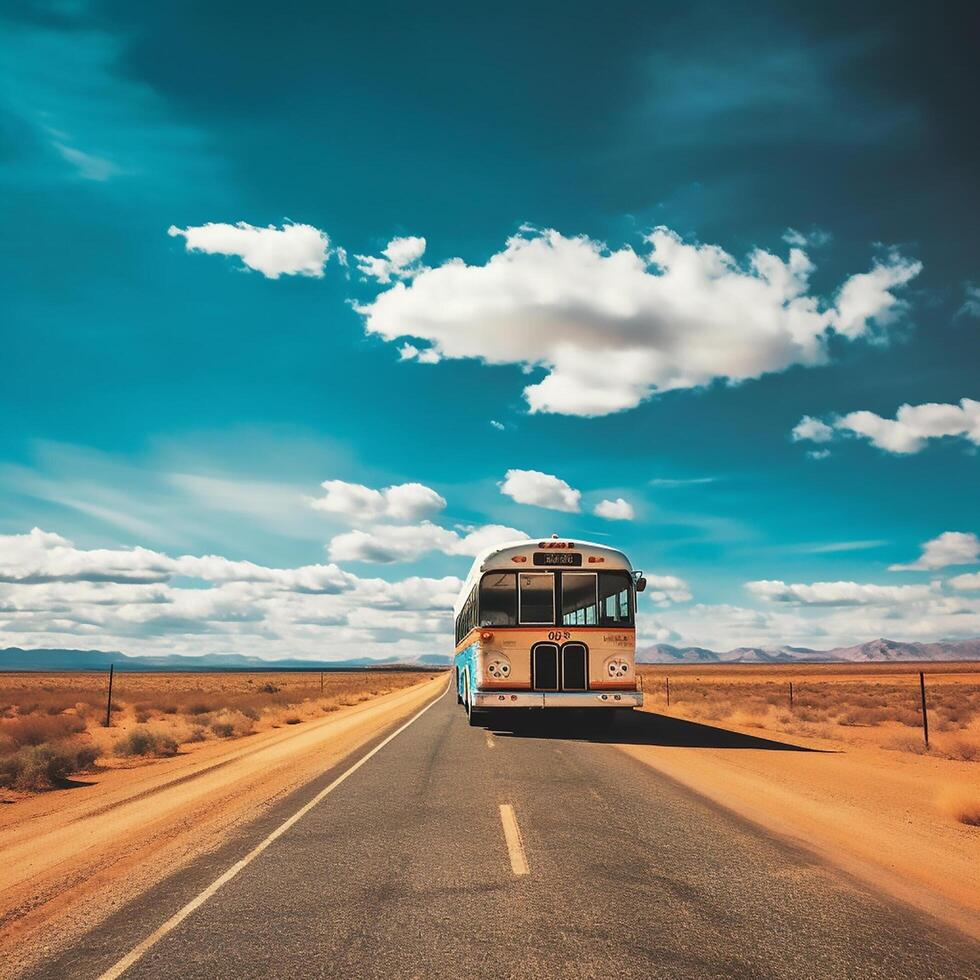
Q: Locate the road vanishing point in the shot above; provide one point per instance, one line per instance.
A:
(441, 850)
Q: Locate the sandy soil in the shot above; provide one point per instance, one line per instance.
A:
(71, 857)
(890, 818)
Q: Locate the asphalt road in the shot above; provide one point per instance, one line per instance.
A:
(404, 870)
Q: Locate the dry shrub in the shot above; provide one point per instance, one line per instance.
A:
(45, 766)
(143, 741)
(198, 708)
(223, 729)
(268, 689)
(961, 805)
(292, 719)
(960, 749)
(196, 735)
(907, 743)
(38, 729)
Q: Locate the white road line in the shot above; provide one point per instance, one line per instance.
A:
(490, 742)
(118, 969)
(512, 834)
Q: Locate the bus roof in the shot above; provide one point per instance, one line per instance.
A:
(501, 557)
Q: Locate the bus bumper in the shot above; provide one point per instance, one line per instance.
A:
(557, 699)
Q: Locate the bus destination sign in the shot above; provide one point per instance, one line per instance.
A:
(572, 558)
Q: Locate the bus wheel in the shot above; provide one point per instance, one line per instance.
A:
(459, 697)
(475, 717)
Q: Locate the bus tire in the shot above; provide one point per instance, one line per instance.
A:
(459, 696)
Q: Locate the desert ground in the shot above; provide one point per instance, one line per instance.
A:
(188, 759)
(845, 771)
(53, 725)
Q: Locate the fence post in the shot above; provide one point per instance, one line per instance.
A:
(108, 704)
(925, 716)
(668, 692)
(791, 695)
(321, 683)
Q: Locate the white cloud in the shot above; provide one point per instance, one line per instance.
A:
(971, 301)
(88, 165)
(910, 430)
(400, 259)
(292, 250)
(541, 490)
(950, 548)
(967, 582)
(813, 430)
(664, 589)
(405, 502)
(615, 510)
(869, 298)
(499, 426)
(837, 593)
(391, 543)
(816, 238)
(820, 627)
(140, 601)
(612, 328)
(818, 453)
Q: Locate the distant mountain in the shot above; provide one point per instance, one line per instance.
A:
(875, 651)
(14, 658)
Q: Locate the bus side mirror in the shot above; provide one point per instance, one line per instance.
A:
(641, 584)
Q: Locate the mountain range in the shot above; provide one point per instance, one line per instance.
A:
(874, 651)
(14, 658)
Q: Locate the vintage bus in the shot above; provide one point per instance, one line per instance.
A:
(544, 624)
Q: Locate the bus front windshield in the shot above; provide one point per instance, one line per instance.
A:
(528, 598)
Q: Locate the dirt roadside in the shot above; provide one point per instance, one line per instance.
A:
(888, 818)
(72, 857)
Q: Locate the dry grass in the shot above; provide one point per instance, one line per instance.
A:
(857, 704)
(52, 724)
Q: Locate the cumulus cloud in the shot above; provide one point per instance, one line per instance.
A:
(391, 543)
(292, 250)
(950, 548)
(820, 627)
(869, 298)
(812, 430)
(400, 259)
(664, 589)
(836, 593)
(612, 327)
(541, 490)
(148, 601)
(615, 510)
(405, 502)
(909, 432)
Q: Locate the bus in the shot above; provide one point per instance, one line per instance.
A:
(547, 624)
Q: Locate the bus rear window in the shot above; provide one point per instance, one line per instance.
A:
(498, 599)
(615, 607)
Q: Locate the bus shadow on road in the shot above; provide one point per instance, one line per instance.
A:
(639, 728)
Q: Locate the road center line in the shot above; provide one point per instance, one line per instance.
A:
(119, 968)
(512, 834)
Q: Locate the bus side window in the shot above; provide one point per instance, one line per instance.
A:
(498, 599)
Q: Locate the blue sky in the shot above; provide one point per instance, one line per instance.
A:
(737, 378)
